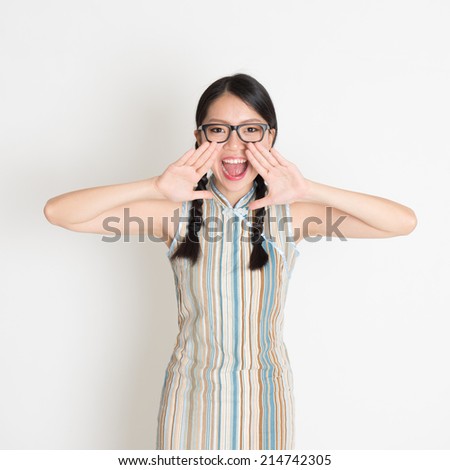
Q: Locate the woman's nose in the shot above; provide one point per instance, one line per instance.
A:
(234, 140)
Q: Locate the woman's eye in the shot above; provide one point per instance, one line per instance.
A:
(218, 129)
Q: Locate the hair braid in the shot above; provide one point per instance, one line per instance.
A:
(189, 247)
(258, 257)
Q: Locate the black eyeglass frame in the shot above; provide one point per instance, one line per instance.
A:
(265, 127)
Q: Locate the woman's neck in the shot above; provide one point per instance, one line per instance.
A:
(232, 196)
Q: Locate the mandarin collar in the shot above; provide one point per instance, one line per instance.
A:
(241, 207)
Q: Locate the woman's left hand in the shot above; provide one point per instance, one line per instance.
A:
(285, 182)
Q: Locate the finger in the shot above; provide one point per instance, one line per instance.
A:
(202, 195)
(190, 153)
(184, 157)
(204, 153)
(261, 159)
(256, 164)
(281, 160)
(266, 153)
(205, 162)
(258, 203)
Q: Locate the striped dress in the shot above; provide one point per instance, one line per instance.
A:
(229, 383)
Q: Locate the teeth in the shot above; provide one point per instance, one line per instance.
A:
(235, 160)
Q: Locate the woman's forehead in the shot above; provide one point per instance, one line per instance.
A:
(231, 110)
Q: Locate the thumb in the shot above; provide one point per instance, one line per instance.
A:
(258, 203)
(202, 195)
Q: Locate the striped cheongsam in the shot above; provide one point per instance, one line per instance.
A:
(229, 383)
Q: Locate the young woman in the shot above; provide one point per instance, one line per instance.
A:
(244, 209)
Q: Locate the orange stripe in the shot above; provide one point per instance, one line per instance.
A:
(197, 408)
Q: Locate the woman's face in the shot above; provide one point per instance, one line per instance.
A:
(230, 109)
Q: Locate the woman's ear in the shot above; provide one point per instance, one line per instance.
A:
(197, 137)
(272, 134)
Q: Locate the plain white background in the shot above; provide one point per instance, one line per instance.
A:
(103, 92)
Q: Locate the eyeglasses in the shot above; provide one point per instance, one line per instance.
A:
(221, 132)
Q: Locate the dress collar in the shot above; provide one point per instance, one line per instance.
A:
(240, 208)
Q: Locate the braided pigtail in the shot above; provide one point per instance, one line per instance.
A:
(258, 257)
(189, 247)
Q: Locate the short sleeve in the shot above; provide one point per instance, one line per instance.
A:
(290, 231)
(278, 231)
(182, 223)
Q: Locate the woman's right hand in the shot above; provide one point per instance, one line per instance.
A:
(180, 178)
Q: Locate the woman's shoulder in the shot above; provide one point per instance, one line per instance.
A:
(282, 221)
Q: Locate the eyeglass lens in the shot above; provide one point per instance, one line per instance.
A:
(248, 133)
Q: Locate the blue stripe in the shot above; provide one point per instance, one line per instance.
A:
(202, 406)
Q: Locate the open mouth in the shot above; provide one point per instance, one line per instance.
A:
(234, 168)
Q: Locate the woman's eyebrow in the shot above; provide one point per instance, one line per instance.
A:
(226, 122)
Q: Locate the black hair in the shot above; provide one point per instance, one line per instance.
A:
(249, 90)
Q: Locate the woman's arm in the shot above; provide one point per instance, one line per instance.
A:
(85, 204)
(329, 211)
(176, 184)
(140, 207)
(318, 209)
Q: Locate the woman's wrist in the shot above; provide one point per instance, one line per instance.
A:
(152, 190)
(308, 193)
